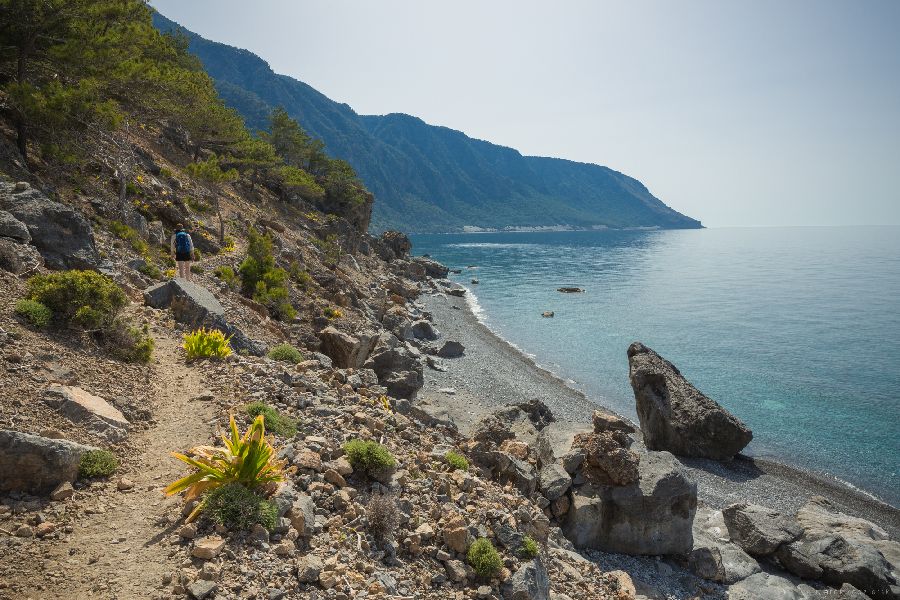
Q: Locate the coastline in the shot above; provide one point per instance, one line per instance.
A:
(494, 372)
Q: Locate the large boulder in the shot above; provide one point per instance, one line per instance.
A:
(675, 416)
(530, 582)
(194, 305)
(11, 227)
(398, 366)
(346, 351)
(392, 245)
(433, 268)
(651, 516)
(758, 530)
(84, 408)
(19, 258)
(714, 557)
(607, 459)
(36, 465)
(766, 586)
(61, 234)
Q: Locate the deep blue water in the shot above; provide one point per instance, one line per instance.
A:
(794, 330)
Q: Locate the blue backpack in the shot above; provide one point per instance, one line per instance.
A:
(182, 243)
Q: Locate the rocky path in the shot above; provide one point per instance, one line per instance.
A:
(119, 546)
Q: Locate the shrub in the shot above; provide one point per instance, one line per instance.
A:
(456, 461)
(150, 270)
(299, 276)
(275, 421)
(126, 233)
(229, 245)
(285, 353)
(332, 313)
(484, 557)
(382, 516)
(34, 312)
(248, 460)
(170, 273)
(228, 276)
(97, 463)
(197, 269)
(128, 343)
(331, 249)
(368, 456)
(83, 298)
(262, 280)
(206, 343)
(237, 507)
(529, 548)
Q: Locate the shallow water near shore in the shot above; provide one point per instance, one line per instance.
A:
(795, 330)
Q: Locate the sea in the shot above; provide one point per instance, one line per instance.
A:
(794, 330)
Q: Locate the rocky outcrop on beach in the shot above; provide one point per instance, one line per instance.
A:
(676, 416)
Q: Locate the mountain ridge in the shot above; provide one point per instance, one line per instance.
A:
(431, 178)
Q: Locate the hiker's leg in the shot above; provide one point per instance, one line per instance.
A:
(187, 270)
(181, 269)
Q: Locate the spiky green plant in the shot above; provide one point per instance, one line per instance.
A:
(206, 343)
(248, 460)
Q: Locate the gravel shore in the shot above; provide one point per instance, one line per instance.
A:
(493, 373)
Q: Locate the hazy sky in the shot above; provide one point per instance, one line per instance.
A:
(772, 112)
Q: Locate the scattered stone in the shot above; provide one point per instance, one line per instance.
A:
(188, 531)
(44, 529)
(201, 589)
(24, 531)
(124, 484)
(451, 349)
(80, 406)
(308, 568)
(63, 491)
(208, 547)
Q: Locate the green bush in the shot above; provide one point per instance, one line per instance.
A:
(456, 461)
(97, 463)
(262, 280)
(484, 558)
(34, 312)
(128, 343)
(126, 233)
(85, 299)
(206, 343)
(237, 507)
(275, 421)
(197, 269)
(151, 270)
(529, 548)
(300, 276)
(368, 456)
(285, 353)
(227, 275)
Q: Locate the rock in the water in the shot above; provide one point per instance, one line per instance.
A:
(652, 516)
(675, 416)
(61, 234)
(95, 413)
(11, 227)
(758, 530)
(37, 465)
(451, 349)
(346, 351)
(530, 582)
(19, 258)
(194, 305)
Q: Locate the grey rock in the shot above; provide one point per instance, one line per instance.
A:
(675, 416)
(37, 465)
(554, 481)
(651, 516)
(433, 268)
(530, 582)
(308, 568)
(194, 305)
(11, 227)
(19, 258)
(61, 234)
(93, 412)
(303, 515)
(714, 557)
(156, 233)
(451, 349)
(398, 367)
(346, 351)
(201, 589)
(423, 330)
(758, 530)
(509, 537)
(765, 586)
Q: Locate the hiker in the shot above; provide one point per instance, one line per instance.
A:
(183, 251)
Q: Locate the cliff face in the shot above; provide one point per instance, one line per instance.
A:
(435, 179)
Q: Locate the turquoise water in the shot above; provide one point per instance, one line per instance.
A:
(795, 330)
